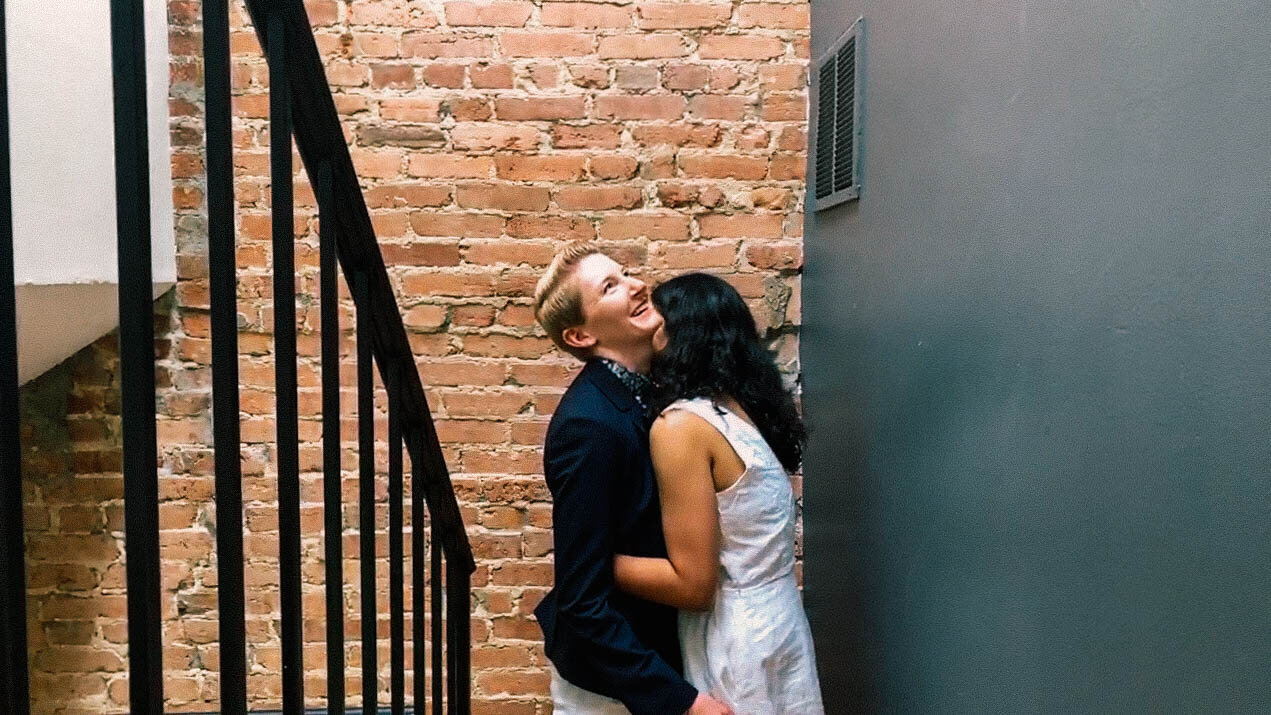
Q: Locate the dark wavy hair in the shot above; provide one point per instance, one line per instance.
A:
(713, 350)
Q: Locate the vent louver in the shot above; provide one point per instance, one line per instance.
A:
(836, 161)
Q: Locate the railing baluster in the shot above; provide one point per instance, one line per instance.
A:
(136, 357)
(418, 553)
(288, 447)
(438, 621)
(366, 492)
(14, 688)
(457, 639)
(397, 684)
(331, 470)
(224, 318)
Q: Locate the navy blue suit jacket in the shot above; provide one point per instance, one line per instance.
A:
(605, 501)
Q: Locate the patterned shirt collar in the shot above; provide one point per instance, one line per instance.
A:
(640, 385)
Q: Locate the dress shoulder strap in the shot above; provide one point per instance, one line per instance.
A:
(724, 422)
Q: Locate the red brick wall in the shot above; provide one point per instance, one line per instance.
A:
(486, 133)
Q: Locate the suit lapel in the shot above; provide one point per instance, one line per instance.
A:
(609, 385)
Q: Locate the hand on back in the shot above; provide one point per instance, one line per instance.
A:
(706, 705)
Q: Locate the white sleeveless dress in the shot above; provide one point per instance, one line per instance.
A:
(753, 650)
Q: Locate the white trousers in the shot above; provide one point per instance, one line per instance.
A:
(569, 699)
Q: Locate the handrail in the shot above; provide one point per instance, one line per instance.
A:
(320, 140)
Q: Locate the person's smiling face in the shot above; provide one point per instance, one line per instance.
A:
(618, 312)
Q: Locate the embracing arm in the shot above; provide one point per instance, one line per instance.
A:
(690, 519)
(583, 465)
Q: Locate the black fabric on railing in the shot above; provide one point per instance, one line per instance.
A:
(136, 357)
(14, 687)
(222, 285)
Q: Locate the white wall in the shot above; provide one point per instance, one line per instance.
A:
(62, 138)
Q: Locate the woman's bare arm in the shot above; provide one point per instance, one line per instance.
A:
(680, 446)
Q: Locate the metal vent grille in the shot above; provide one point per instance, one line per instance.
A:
(837, 111)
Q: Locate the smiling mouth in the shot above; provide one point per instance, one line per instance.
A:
(640, 309)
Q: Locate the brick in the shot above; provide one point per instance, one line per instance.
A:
(590, 136)
(454, 284)
(664, 15)
(637, 77)
(584, 15)
(491, 76)
(607, 168)
(420, 253)
(406, 196)
(751, 138)
(435, 45)
(774, 16)
(787, 167)
(544, 76)
(385, 76)
(783, 108)
(740, 226)
(490, 253)
(589, 76)
(415, 137)
(488, 14)
(660, 227)
(771, 198)
(465, 372)
(685, 77)
(467, 109)
(774, 256)
(483, 137)
(539, 168)
(444, 75)
(449, 166)
(792, 139)
(724, 78)
(677, 135)
(642, 47)
(545, 44)
(375, 44)
(410, 109)
(782, 77)
(739, 47)
(506, 346)
(516, 109)
(425, 317)
(668, 106)
(714, 106)
(390, 13)
(598, 198)
(571, 228)
(692, 256)
(515, 683)
(378, 164)
(501, 197)
(485, 404)
(458, 225)
(724, 167)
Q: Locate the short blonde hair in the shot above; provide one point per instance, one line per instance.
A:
(558, 304)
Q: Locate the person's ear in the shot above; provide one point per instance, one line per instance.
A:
(576, 337)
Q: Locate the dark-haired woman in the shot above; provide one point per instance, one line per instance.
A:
(726, 437)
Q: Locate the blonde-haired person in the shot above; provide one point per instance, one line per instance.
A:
(612, 652)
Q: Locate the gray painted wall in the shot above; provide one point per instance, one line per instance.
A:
(1037, 359)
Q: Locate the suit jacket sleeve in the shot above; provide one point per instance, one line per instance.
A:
(583, 469)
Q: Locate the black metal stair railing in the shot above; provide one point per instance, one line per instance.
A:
(301, 106)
